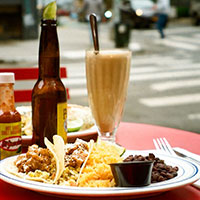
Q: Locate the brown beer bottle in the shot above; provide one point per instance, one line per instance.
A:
(49, 99)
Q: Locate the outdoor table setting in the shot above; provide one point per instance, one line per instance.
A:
(107, 160)
(132, 136)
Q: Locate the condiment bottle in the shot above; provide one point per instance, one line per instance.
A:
(49, 99)
(10, 119)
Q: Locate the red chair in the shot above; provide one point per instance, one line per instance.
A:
(25, 79)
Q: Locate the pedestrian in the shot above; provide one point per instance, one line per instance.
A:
(162, 8)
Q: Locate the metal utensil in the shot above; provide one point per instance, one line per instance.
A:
(185, 156)
(163, 145)
(93, 24)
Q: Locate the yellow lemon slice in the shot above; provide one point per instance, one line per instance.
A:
(74, 125)
(50, 11)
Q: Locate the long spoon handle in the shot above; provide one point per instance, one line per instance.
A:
(93, 24)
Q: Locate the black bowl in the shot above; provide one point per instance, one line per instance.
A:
(134, 173)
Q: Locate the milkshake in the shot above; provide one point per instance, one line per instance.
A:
(107, 82)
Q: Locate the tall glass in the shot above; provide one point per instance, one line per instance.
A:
(107, 75)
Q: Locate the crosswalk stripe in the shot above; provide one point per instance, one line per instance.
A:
(194, 116)
(146, 60)
(174, 66)
(143, 69)
(171, 100)
(77, 92)
(162, 75)
(180, 45)
(78, 71)
(139, 77)
(170, 85)
(185, 29)
(196, 35)
(140, 74)
(74, 82)
(185, 39)
(78, 54)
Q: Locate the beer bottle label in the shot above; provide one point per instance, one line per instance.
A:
(10, 139)
(62, 120)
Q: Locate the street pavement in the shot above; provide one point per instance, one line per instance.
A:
(164, 80)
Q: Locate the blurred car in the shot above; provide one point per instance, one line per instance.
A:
(65, 7)
(138, 13)
(195, 11)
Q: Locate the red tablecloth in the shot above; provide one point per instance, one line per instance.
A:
(131, 136)
(140, 136)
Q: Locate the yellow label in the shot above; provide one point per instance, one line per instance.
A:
(10, 139)
(62, 120)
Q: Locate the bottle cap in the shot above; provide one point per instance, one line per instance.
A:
(7, 77)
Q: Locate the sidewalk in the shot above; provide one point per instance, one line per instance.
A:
(74, 39)
(27, 50)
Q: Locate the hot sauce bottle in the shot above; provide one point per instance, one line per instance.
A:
(49, 98)
(10, 119)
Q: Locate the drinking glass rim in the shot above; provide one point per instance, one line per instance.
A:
(114, 51)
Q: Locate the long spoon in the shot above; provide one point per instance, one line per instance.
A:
(93, 24)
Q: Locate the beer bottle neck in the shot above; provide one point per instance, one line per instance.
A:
(49, 58)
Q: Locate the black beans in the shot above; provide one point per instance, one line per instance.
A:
(160, 171)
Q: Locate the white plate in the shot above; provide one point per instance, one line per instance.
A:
(187, 174)
(85, 132)
(90, 133)
(93, 129)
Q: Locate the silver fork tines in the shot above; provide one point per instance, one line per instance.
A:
(163, 145)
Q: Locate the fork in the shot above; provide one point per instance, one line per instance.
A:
(163, 145)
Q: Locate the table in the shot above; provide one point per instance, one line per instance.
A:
(132, 136)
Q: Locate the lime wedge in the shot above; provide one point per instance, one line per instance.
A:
(121, 150)
(74, 125)
(113, 146)
(50, 11)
